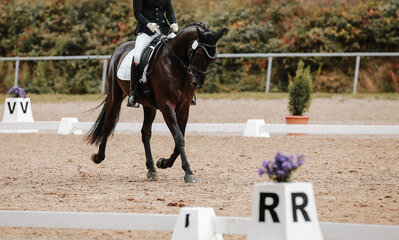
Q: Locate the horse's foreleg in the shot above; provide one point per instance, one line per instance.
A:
(178, 135)
(168, 163)
(149, 116)
(182, 121)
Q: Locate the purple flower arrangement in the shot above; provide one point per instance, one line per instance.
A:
(17, 92)
(280, 170)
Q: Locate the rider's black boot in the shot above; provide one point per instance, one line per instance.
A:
(134, 78)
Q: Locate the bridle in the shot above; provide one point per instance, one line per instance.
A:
(193, 50)
(194, 47)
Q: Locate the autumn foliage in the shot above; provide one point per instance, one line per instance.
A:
(97, 27)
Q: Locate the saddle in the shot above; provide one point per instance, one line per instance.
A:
(146, 57)
(147, 53)
(124, 69)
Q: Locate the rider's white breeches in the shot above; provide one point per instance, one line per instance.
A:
(142, 41)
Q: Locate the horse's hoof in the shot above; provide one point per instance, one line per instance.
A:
(190, 178)
(152, 176)
(161, 163)
(96, 159)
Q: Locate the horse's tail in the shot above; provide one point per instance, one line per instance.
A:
(109, 116)
(111, 73)
(105, 123)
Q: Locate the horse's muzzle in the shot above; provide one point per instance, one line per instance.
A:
(197, 85)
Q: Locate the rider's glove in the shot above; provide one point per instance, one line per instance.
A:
(174, 27)
(153, 27)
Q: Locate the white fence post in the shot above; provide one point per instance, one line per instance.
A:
(253, 128)
(269, 73)
(68, 126)
(105, 65)
(16, 72)
(356, 74)
(195, 223)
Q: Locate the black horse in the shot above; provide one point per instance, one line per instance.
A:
(177, 70)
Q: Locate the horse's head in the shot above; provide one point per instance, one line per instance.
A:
(202, 52)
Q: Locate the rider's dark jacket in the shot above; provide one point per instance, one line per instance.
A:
(154, 11)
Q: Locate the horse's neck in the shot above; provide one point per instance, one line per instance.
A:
(180, 44)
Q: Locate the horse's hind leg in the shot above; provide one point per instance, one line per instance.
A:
(105, 125)
(100, 155)
(149, 116)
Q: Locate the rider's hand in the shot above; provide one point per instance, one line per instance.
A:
(153, 27)
(174, 27)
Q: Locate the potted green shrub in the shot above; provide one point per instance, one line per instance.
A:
(300, 91)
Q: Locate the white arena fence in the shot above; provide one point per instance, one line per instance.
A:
(67, 126)
(270, 57)
(258, 128)
(167, 223)
(253, 128)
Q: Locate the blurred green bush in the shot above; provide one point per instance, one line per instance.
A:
(97, 27)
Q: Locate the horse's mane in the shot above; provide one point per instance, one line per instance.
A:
(200, 24)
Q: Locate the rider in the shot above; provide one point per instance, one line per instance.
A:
(151, 16)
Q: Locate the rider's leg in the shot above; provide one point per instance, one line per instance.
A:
(134, 79)
(142, 41)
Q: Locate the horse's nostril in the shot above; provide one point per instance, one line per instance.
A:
(196, 85)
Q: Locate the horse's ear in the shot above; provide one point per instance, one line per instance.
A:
(220, 33)
(201, 36)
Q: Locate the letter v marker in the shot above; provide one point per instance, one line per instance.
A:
(22, 106)
(13, 107)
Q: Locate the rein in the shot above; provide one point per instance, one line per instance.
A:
(188, 68)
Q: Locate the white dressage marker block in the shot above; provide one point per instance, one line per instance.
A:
(284, 211)
(195, 224)
(68, 126)
(253, 128)
(18, 110)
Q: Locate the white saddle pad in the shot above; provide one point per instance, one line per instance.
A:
(124, 69)
(123, 72)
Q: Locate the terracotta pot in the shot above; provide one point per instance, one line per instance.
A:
(296, 120)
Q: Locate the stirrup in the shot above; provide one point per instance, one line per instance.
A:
(194, 101)
(133, 103)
